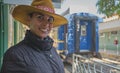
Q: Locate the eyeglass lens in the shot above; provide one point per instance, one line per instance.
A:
(42, 17)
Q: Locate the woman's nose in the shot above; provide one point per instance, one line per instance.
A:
(45, 23)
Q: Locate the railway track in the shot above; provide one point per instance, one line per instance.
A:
(110, 56)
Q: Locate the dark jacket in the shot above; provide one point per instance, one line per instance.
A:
(26, 57)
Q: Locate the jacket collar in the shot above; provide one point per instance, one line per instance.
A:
(37, 43)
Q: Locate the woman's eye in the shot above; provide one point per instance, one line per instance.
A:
(40, 17)
(51, 19)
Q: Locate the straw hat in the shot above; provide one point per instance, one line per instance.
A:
(21, 12)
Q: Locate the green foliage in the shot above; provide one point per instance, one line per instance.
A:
(108, 7)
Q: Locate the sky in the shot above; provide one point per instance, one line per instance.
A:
(76, 6)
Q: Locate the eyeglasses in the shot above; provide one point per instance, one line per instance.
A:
(41, 17)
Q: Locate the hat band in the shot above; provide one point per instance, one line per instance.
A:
(45, 9)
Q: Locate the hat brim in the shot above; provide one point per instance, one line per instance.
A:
(21, 12)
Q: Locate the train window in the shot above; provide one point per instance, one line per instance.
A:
(102, 34)
(83, 30)
(113, 32)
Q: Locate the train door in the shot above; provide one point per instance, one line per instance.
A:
(85, 35)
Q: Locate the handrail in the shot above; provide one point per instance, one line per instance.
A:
(87, 65)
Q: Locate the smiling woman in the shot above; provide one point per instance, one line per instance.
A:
(35, 53)
(40, 24)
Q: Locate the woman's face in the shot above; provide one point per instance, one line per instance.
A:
(40, 24)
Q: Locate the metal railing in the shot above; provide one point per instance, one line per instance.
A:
(84, 65)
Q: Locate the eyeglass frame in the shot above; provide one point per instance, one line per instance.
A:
(42, 17)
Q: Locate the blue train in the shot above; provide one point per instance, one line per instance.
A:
(80, 35)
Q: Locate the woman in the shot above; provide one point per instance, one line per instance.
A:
(35, 54)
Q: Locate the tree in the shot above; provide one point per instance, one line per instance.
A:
(108, 7)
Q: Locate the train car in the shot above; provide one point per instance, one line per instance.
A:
(80, 35)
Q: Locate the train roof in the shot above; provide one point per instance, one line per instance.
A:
(84, 16)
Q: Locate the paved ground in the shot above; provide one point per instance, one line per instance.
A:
(68, 68)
